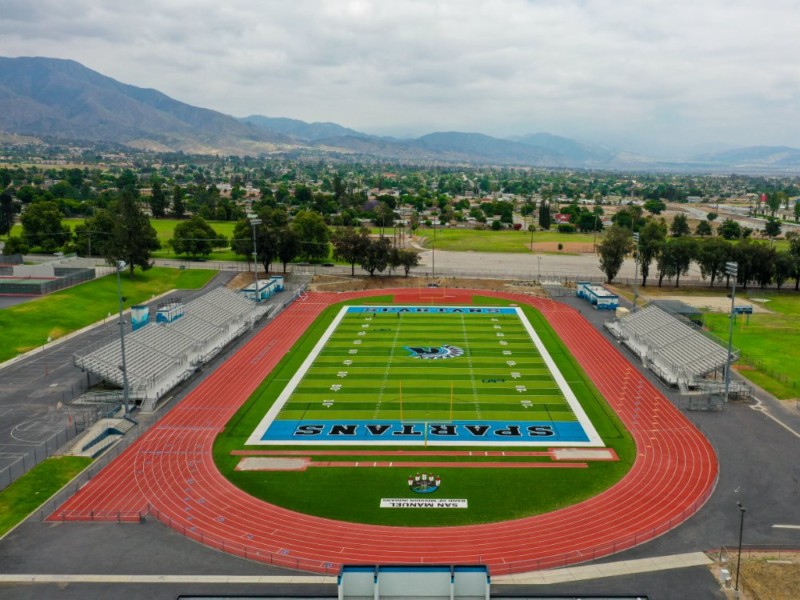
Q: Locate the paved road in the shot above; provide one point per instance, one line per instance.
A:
(35, 394)
(759, 466)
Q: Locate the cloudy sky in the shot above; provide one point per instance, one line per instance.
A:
(647, 75)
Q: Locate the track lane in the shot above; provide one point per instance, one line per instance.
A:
(177, 482)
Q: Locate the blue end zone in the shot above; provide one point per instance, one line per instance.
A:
(455, 432)
(439, 310)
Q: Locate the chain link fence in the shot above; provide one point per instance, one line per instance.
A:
(79, 421)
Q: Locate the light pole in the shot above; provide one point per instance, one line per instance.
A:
(539, 272)
(255, 222)
(124, 368)
(739, 555)
(531, 228)
(635, 265)
(732, 270)
(433, 249)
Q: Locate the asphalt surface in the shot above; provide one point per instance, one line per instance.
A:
(36, 416)
(759, 467)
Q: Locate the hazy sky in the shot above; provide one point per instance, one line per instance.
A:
(639, 74)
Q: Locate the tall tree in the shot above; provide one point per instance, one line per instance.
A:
(158, 200)
(794, 248)
(682, 251)
(313, 234)
(730, 230)
(544, 214)
(178, 203)
(703, 229)
(242, 239)
(288, 245)
(743, 254)
(680, 225)
(712, 254)
(42, 226)
(651, 240)
(195, 237)
(350, 245)
(772, 228)
(133, 239)
(93, 235)
(763, 257)
(376, 257)
(7, 212)
(617, 243)
(402, 257)
(785, 267)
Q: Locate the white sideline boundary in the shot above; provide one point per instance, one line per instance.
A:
(255, 438)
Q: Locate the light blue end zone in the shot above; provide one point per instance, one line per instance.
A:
(454, 432)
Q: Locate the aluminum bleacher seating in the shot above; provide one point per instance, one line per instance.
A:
(672, 347)
(158, 356)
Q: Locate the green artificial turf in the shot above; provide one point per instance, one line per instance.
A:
(31, 490)
(494, 494)
(27, 326)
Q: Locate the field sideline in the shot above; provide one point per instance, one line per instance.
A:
(352, 494)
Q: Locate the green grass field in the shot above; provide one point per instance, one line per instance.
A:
(466, 368)
(494, 494)
(472, 240)
(27, 326)
(31, 490)
(770, 343)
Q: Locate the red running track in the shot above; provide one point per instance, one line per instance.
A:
(169, 473)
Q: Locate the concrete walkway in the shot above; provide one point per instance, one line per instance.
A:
(612, 569)
(627, 567)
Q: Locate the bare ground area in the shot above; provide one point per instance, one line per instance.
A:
(334, 283)
(767, 576)
(567, 247)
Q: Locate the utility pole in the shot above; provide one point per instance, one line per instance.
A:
(124, 367)
(635, 265)
(732, 270)
(255, 221)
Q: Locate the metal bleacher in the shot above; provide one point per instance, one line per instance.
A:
(160, 355)
(672, 349)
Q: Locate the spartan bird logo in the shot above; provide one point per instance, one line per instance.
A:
(434, 352)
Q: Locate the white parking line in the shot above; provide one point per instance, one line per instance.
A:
(786, 526)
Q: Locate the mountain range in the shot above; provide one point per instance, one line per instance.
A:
(49, 99)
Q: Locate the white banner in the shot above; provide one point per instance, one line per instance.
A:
(423, 503)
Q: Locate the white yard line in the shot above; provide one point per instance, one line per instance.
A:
(577, 409)
(468, 354)
(277, 406)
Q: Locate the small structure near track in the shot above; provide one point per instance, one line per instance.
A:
(445, 582)
(597, 295)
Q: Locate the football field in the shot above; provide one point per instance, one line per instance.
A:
(427, 375)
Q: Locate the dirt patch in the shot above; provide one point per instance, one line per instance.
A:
(714, 303)
(567, 247)
(765, 575)
(242, 280)
(772, 577)
(333, 283)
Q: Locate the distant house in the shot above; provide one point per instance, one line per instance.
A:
(559, 218)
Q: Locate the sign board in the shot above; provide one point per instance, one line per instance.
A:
(424, 503)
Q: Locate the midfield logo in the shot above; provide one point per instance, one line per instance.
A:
(425, 483)
(434, 352)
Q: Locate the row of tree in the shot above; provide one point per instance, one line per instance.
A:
(372, 254)
(120, 232)
(759, 262)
